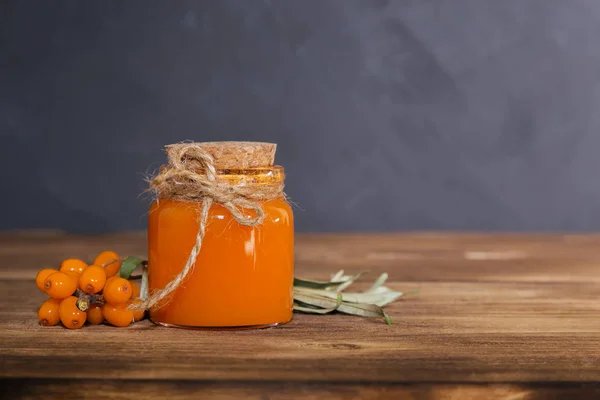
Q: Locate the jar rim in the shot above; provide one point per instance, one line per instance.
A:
(258, 175)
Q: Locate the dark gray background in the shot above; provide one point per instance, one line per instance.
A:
(389, 115)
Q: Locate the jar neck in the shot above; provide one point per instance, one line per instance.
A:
(252, 176)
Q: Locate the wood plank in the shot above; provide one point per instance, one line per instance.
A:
(176, 390)
(495, 316)
(414, 257)
(449, 332)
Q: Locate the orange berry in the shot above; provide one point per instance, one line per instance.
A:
(92, 279)
(71, 316)
(138, 315)
(117, 290)
(118, 315)
(48, 312)
(41, 276)
(73, 267)
(95, 315)
(109, 279)
(59, 285)
(110, 261)
(136, 289)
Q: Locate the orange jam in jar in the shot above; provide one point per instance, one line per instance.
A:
(243, 275)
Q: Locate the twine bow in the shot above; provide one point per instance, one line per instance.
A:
(191, 176)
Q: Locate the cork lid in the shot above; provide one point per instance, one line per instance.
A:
(235, 155)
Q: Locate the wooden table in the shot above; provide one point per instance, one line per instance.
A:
(496, 316)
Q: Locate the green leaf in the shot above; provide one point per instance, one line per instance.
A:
(311, 309)
(318, 301)
(128, 266)
(331, 285)
(144, 285)
(388, 298)
(379, 299)
(379, 282)
(388, 319)
(338, 276)
(300, 282)
(364, 310)
(349, 281)
(309, 306)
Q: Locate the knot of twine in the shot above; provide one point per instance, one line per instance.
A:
(191, 176)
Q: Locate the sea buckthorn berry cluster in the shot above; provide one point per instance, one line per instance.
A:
(93, 293)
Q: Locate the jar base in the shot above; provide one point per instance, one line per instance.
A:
(220, 328)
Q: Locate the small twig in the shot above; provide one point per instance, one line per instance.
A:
(84, 300)
(106, 264)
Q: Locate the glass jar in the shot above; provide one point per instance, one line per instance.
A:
(243, 276)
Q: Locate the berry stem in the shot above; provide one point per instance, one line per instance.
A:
(106, 264)
(84, 300)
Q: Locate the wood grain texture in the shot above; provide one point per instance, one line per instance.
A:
(71, 389)
(502, 316)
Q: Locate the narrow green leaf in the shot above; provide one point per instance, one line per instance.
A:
(316, 300)
(310, 306)
(128, 266)
(301, 282)
(144, 285)
(346, 282)
(311, 309)
(379, 282)
(331, 285)
(388, 319)
(379, 299)
(364, 310)
(338, 276)
(350, 281)
(380, 289)
(388, 298)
